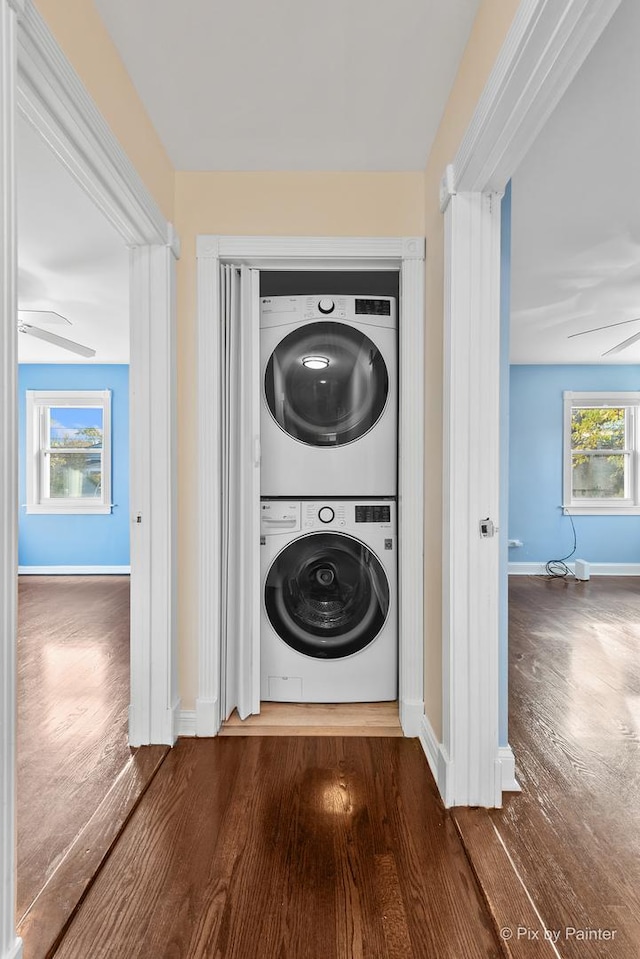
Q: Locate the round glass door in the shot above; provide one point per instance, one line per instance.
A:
(326, 384)
(327, 595)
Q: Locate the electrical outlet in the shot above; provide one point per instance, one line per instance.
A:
(515, 542)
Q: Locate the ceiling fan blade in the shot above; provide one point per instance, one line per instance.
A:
(43, 316)
(61, 341)
(609, 326)
(625, 343)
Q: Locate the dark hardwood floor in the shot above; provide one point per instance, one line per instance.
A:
(574, 831)
(286, 848)
(77, 780)
(338, 847)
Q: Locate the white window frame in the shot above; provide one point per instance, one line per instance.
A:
(38, 404)
(630, 505)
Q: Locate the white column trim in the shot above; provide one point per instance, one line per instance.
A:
(209, 467)
(411, 491)
(153, 455)
(471, 494)
(544, 49)
(10, 943)
(403, 253)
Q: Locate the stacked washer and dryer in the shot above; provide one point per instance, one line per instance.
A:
(328, 499)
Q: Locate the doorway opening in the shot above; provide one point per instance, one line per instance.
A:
(287, 263)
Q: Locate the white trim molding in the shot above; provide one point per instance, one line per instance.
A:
(405, 254)
(439, 762)
(36, 78)
(153, 495)
(51, 96)
(471, 496)
(187, 722)
(544, 49)
(508, 769)
(595, 569)
(10, 943)
(74, 570)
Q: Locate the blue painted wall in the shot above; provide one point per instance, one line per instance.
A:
(505, 316)
(100, 540)
(535, 468)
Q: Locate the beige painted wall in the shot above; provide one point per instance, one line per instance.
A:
(278, 204)
(487, 36)
(85, 42)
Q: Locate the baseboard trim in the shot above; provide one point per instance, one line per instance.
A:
(175, 713)
(74, 570)
(439, 763)
(597, 569)
(14, 951)
(411, 713)
(508, 770)
(207, 717)
(186, 722)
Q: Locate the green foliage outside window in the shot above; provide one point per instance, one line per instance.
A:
(77, 468)
(594, 432)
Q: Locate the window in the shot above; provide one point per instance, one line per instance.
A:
(601, 444)
(68, 447)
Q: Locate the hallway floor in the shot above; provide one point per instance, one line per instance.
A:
(286, 848)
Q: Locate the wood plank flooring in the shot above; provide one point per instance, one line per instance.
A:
(73, 695)
(317, 719)
(286, 848)
(574, 831)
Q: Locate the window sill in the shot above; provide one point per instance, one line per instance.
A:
(601, 510)
(68, 510)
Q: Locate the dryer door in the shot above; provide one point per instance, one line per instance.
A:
(326, 384)
(327, 595)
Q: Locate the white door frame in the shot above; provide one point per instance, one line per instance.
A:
(546, 45)
(405, 254)
(36, 79)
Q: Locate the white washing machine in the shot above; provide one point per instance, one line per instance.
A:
(329, 612)
(328, 424)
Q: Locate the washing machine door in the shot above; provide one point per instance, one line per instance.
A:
(326, 384)
(327, 595)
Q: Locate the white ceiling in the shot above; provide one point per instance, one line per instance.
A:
(292, 84)
(70, 260)
(576, 213)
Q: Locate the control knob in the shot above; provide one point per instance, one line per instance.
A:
(326, 305)
(326, 514)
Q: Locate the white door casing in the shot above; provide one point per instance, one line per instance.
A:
(52, 98)
(318, 253)
(10, 944)
(545, 47)
(36, 78)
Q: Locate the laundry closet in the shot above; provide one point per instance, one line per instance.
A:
(328, 361)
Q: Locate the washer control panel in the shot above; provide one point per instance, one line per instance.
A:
(278, 516)
(324, 514)
(338, 514)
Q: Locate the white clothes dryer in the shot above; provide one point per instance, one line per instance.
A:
(329, 611)
(328, 424)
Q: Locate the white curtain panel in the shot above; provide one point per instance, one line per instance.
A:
(239, 392)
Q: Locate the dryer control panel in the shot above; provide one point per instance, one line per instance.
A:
(367, 310)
